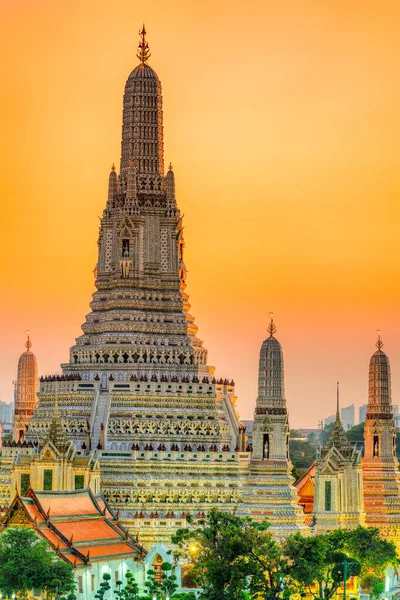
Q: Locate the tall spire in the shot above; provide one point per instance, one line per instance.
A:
(143, 52)
(337, 402)
(26, 391)
(271, 327)
(338, 437)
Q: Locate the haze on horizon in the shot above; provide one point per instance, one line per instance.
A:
(282, 123)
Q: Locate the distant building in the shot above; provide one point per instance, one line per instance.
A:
(362, 413)
(347, 415)
(6, 412)
(328, 420)
(396, 416)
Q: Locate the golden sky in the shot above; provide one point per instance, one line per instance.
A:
(282, 123)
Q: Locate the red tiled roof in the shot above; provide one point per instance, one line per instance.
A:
(67, 504)
(107, 550)
(75, 525)
(87, 530)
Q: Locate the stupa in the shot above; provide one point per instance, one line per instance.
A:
(381, 475)
(138, 388)
(26, 392)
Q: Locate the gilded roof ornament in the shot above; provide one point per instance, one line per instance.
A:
(113, 167)
(170, 166)
(143, 52)
(28, 342)
(379, 343)
(271, 327)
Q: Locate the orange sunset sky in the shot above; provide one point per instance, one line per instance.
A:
(282, 121)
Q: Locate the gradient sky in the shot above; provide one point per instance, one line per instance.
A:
(282, 123)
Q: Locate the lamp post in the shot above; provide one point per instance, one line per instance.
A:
(346, 563)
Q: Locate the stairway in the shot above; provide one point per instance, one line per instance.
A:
(101, 415)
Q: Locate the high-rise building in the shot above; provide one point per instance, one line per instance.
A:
(362, 413)
(6, 412)
(26, 392)
(268, 490)
(347, 415)
(380, 466)
(328, 420)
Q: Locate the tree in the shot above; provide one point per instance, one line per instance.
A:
(355, 434)
(104, 586)
(27, 562)
(316, 564)
(302, 453)
(326, 433)
(166, 586)
(374, 554)
(131, 589)
(231, 554)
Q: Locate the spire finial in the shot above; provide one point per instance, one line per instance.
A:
(28, 342)
(271, 327)
(113, 167)
(143, 52)
(379, 343)
(337, 402)
(170, 166)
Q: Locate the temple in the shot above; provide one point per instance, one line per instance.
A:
(26, 392)
(268, 488)
(138, 389)
(381, 475)
(338, 483)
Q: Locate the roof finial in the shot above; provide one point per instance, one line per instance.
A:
(337, 402)
(143, 52)
(379, 343)
(170, 166)
(113, 167)
(271, 327)
(28, 342)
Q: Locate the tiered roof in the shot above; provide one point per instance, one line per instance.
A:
(79, 526)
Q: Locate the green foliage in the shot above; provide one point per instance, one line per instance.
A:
(316, 564)
(356, 434)
(231, 554)
(318, 560)
(166, 587)
(27, 562)
(104, 587)
(131, 589)
(326, 433)
(374, 553)
(301, 452)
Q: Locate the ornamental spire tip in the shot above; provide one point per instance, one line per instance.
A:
(28, 342)
(271, 327)
(379, 343)
(143, 52)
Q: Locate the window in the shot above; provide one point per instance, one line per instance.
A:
(48, 479)
(92, 583)
(266, 445)
(125, 247)
(328, 496)
(25, 481)
(79, 482)
(80, 584)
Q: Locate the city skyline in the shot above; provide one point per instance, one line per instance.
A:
(262, 234)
